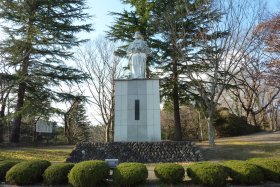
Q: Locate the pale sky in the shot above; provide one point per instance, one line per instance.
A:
(101, 8)
(101, 19)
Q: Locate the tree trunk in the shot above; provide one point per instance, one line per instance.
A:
(17, 120)
(276, 119)
(15, 136)
(113, 107)
(211, 134)
(200, 127)
(4, 100)
(177, 119)
(67, 129)
(2, 123)
(111, 132)
(34, 137)
(211, 131)
(107, 128)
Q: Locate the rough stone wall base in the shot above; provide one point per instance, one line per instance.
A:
(144, 152)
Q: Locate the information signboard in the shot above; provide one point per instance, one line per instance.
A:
(44, 126)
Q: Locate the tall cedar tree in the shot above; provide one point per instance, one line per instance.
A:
(181, 24)
(174, 29)
(40, 37)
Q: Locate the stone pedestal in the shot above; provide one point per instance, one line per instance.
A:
(137, 110)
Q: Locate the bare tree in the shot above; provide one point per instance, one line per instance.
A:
(268, 31)
(97, 59)
(257, 91)
(226, 45)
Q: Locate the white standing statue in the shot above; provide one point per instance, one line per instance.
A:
(137, 53)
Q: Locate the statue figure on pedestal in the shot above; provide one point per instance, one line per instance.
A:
(137, 53)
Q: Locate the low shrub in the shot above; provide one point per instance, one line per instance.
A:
(227, 124)
(242, 172)
(269, 166)
(4, 167)
(88, 173)
(170, 172)
(27, 172)
(57, 174)
(208, 174)
(129, 174)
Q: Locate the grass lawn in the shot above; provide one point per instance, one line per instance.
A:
(240, 148)
(243, 147)
(242, 151)
(50, 153)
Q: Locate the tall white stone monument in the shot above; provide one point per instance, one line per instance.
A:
(137, 100)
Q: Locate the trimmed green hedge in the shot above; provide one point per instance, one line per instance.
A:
(242, 172)
(129, 174)
(27, 172)
(170, 172)
(208, 174)
(57, 174)
(269, 166)
(88, 173)
(4, 167)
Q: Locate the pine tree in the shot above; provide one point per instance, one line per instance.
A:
(40, 37)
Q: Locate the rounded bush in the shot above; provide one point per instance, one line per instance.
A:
(4, 167)
(242, 172)
(57, 174)
(27, 172)
(127, 174)
(170, 172)
(88, 173)
(208, 174)
(269, 166)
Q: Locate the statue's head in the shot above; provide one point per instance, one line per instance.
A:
(138, 35)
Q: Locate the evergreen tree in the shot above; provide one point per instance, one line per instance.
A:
(76, 124)
(184, 27)
(40, 37)
(174, 34)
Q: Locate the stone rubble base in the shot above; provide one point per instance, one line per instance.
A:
(144, 152)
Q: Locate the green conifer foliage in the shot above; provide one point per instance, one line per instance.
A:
(40, 36)
(176, 32)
